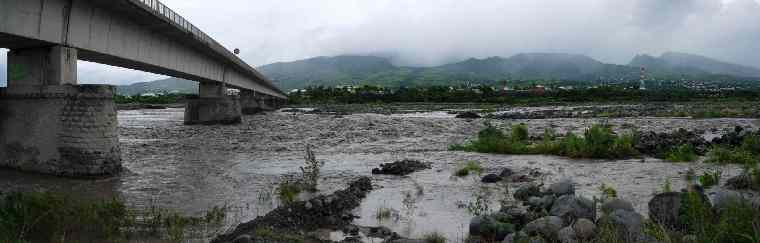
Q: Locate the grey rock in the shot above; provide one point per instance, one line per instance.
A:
(570, 208)
(629, 224)
(243, 239)
(526, 191)
(476, 224)
(739, 182)
(515, 237)
(491, 226)
(722, 199)
(567, 235)
(491, 178)
(506, 172)
(562, 188)
(515, 215)
(615, 204)
(544, 202)
(547, 227)
(664, 209)
(584, 229)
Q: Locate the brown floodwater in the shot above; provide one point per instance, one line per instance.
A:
(193, 168)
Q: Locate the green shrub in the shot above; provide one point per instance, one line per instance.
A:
(625, 145)
(683, 153)
(42, 216)
(310, 172)
(608, 191)
(434, 237)
(724, 155)
(751, 144)
(288, 191)
(52, 217)
(599, 142)
(520, 133)
(469, 168)
(710, 179)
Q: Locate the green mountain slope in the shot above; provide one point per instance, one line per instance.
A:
(159, 86)
(353, 70)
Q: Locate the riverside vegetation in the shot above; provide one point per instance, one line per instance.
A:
(52, 217)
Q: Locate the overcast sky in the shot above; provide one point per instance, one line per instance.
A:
(432, 32)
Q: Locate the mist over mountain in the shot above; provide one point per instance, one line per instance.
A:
(373, 70)
(358, 70)
(676, 62)
(326, 70)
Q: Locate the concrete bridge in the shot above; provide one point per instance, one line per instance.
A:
(50, 124)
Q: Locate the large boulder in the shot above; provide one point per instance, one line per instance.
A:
(562, 188)
(514, 215)
(491, 227)
(243, 239)
(616, 204)
(468, 115)
(585, 229)
(628, 225)
(491, 178)
(547, 227)
(740, 182)
(665, 208)
(567, 235)
(527, 191)
(403, 167)
(506, 172)
(541, 203)
(723, 199)
(570, 208)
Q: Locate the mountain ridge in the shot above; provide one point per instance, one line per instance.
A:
(363, 69)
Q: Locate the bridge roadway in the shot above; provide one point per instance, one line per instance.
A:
(51, 124)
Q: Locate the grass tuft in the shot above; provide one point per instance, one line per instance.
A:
(683, 153)
(434, 237)
(471, 167)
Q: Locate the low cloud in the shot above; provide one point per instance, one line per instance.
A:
(433, 32)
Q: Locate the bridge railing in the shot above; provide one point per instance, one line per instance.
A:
(162, 9)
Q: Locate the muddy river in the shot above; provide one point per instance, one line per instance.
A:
(193, 168)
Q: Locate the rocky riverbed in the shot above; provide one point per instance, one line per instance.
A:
(192, 168)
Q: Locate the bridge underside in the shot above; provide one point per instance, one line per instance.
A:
(51, 124)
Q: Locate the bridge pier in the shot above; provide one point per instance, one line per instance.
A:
(51, 125)
(213, 106)
(250, 102)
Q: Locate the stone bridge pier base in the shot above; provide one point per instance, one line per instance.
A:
(50, 125)
(249, 102)
(213, 106)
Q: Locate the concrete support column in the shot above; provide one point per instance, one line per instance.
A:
(55, 65)
(249, 102)
(213, 106)
(266, 102)
(50, 125)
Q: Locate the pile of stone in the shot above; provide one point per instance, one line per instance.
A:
(322, 212)
(556, 214)
(659, 144)
(735, 137)
(468, 115)
(403, 167)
